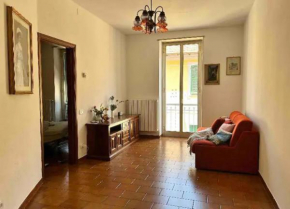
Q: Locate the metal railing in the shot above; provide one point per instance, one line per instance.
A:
(190, 117)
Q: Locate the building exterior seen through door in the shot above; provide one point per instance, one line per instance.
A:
(181, 88)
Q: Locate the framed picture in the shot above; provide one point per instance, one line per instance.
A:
(212, 74)
(234, 66)
(19, 38)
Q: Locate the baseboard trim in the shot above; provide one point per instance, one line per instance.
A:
(31, 195)
(273, 201)
(150, 133)
(82, 158)
(149, 137)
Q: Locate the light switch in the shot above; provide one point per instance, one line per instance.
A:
(81, 111)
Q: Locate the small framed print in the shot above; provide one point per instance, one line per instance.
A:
(19, 36)
(212, 74)
(234, 66)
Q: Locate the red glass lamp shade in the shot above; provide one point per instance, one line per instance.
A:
(162, 30)
(149, 21)
(137, 24)
(137, 28)
(162, 23)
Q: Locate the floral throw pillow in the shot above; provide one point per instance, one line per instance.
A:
(222, 137)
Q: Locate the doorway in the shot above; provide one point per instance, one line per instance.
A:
(57, 89)
(181, 87)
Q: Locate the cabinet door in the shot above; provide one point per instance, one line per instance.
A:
(132, 130)
(119, 140)
(137, 128)
(113, 139)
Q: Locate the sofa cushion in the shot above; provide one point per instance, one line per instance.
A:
(205, 143)
(222, 137)
(228, 121)
(201, 143)
(235, 114)
(227, 127)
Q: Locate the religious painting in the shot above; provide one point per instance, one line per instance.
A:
(19, 36)
(212, 74)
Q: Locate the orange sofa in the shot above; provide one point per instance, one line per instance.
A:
(240, 155)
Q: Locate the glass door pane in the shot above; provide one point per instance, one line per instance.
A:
(190, 88)
(172, 88)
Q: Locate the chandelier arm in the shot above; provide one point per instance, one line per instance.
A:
(155, 21)
(159, 8)
(140, 11)
(147, 7)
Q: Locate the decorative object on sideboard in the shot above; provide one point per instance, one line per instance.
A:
(19, 39)
(147, 22)
(98, 113)
(114, 105)
(234, 65)
(212, 74)
(105, 117)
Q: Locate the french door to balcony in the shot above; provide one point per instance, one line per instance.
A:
(181, 88)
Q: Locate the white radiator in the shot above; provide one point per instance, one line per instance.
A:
(148, 111)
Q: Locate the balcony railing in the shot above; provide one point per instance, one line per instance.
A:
(190, 117)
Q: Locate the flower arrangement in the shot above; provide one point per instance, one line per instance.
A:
(114, 104)
(99, 111)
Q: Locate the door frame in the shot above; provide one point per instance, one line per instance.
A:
(71, 83)
(200, 79)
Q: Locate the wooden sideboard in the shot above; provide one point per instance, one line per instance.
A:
(106, 140)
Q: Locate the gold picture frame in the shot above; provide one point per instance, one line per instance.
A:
(212, 74)
(234, 65)
(19, 40)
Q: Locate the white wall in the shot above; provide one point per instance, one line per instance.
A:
(219, 43)
(20, 150)
(101, 55)
(266, 90)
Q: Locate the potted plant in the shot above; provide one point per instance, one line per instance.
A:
(98, 112)
(114, 105)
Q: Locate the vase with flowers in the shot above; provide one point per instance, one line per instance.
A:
(98, 113)
(114, 105)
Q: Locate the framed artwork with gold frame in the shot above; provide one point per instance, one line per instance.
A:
(233, 65)
(19, 39)
(212, 74)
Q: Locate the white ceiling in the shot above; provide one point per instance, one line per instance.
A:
(181, 14)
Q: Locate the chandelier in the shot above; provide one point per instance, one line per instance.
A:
(147, 22)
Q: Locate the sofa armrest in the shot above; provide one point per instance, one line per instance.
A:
(217, 124)
(243, 157)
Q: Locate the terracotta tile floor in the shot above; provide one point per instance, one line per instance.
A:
(152, 173)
